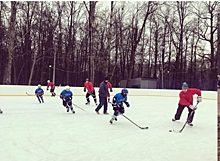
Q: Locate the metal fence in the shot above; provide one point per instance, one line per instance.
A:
(202, 84)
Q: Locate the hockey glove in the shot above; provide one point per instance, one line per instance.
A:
(84, 90)
(111, 90)
(47, 89)
(127, 104)
(68, 99)
(193, 107)
(115, 107)
(199, 99)
(61, 97)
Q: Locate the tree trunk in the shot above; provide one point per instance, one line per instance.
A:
(156, 35)
(32, 68)
(91, 39)
(213, 70)
(1, 43)
(109, 36)
(218, 56)
(69, 46)
(8, 68)
(218, 51)
(149, 58)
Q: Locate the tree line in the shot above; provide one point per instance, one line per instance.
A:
(67, 42)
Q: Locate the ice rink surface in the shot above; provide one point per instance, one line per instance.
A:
(30, 131)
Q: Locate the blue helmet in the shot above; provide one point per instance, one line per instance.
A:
(124, 90)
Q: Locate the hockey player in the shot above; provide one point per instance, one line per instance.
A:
(39, 92)
(117, 104)
(66, 96)
(103, 94)
(186, 100)
(110, 87)
(52, 88)
(90, 91)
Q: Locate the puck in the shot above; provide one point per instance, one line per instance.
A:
(170, 130)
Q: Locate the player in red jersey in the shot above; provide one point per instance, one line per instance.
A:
(90, 91)
(186, 100)
(110, 87)
(52, 88)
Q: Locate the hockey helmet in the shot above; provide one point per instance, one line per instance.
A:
(124, 92)
(39, 86)
(48, 81)
(67, 88)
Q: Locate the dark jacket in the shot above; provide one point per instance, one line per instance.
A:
(103, 89)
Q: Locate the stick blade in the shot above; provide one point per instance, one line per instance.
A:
(144, 127)
(176, 131)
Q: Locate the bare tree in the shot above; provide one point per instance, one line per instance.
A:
(109, 37)
(76, 44)
(207, 32)
(218, 52)
(151, 7)
(91, 12)
(8, 68)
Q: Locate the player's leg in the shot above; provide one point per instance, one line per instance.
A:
(178, 112)
(87, 98)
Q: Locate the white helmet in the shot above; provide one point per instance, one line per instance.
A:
(48, 81)
(67, 87)
(39, 86)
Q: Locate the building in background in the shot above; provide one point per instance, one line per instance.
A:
(144, 83)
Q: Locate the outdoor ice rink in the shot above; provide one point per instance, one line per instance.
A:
(30, 131)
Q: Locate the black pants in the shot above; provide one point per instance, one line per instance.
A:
(118, 110)
(52, 91)
(180, 110)
(93, 95)
(103, 101)
(69, 102)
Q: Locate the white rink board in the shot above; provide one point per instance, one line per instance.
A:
(78, 91)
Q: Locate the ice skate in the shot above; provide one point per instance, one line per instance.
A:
(190, 124)
(173, 120)
(106, 113)
(1, 112)
(73, 111)
(87, 103)
(67, 109)
(111, 121)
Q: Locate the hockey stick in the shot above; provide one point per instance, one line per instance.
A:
(135, 123)
(132, 121)
(187, 119)
(79, 107)
(30, 94)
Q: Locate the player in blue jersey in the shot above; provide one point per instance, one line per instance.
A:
(39, 92)
(66, 95)
(117, 104)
